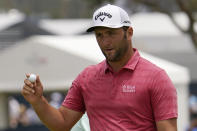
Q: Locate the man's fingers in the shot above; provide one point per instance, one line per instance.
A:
(33, 87)
(28, 89)
(26, 92)
(28, 83)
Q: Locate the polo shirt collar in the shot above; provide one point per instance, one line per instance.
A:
(131, 64)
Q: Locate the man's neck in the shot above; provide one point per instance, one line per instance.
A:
(117, 65)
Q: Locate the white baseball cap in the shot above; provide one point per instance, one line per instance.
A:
(110, 16)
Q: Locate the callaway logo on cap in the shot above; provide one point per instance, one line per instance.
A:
(110, 16)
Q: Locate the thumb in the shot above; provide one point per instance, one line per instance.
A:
(38, 86)
(38, 82)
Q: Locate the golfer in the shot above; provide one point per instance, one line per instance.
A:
(125, 92)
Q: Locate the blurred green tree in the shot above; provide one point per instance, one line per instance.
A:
(168, 7)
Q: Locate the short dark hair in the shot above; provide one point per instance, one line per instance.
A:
(125, 28)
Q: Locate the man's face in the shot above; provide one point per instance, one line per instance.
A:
(113, 42)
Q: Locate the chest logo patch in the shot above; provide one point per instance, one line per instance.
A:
(128, 88)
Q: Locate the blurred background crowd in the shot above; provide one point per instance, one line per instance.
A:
(22, 115)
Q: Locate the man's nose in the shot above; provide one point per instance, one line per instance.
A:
(106, 40)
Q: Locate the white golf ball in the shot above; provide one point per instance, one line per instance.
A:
(32, 78)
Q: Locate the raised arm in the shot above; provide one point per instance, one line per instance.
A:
(61, 119)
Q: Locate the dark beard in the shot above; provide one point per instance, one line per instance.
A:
(119, 53)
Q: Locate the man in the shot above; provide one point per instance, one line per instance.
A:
(125, 92)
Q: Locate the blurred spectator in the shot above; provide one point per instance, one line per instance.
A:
(56, 99)
(32, 117)
(193, 106)
(23, 119)
(14, 112)
(193, 125)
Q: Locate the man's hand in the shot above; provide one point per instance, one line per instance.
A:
(61, 119)
(32, 91)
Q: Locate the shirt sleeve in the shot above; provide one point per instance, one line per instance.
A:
(163, 97)
(74, 99)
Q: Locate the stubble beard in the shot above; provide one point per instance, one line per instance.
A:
(118, 53)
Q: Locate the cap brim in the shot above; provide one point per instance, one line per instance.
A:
(109, 26)
(90, 29)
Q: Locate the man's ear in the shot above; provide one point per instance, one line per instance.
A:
(129, 33)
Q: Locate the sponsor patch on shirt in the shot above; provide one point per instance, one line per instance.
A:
(128, 88)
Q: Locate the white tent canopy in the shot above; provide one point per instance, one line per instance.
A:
(65, 26)
(90, 50)
(9, 18)
(157, 24)
(144, 23)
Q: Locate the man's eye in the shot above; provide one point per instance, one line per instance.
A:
(98, 35)
(111, 33)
